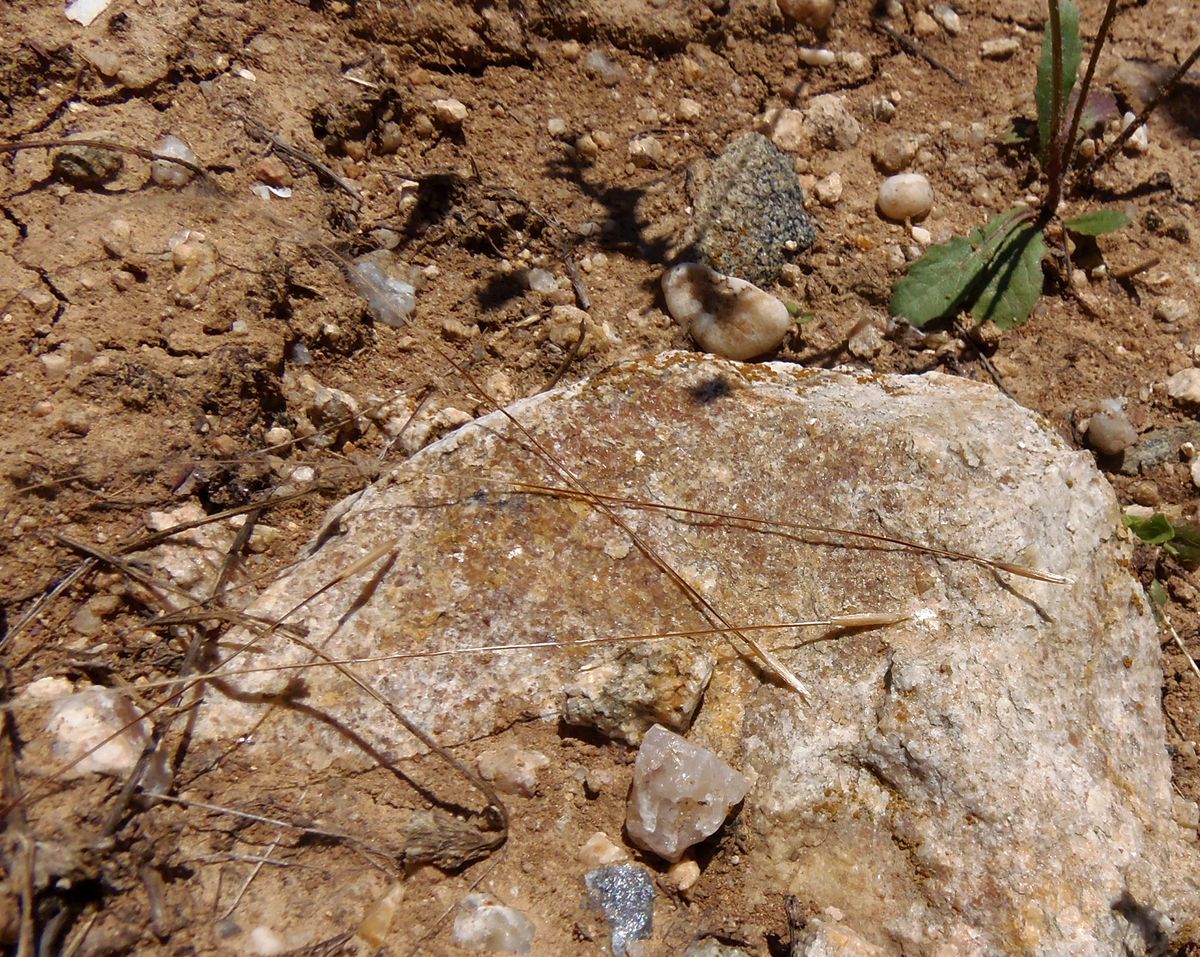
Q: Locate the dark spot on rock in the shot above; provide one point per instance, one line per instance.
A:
(710, 390)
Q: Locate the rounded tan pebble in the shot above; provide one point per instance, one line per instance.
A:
(725, 315)
(272, 171)
(905, 196)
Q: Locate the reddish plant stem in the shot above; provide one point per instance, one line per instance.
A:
(1068, 145)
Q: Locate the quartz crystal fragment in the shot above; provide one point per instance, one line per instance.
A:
(482, 923)
(681, 794)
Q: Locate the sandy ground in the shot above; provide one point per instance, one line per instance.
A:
(155, 336)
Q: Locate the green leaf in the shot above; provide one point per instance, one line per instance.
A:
(938, 284)
(1186, 544)
(1158, 594)
(1155, 530)
(1072, 53)
(1013, 280)
(1097, 223)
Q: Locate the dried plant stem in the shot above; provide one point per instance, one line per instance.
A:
(1163, 92)
(278, 822)
(1068, 144)
(847, 622)
(16, 145)
(750, 520)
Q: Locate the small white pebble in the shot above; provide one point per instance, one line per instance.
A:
(1139, 141)
(905, 196)
(265, 942)
(817, 57)
(949, 20)
(646, 152)
(854, 61)
(828, 190)
(1172, 310)
(598, 851)
(921, 235)
(683, 875)
(55, 364)
(723, 314)
(278, 436)
(165, 173)
(1185, 386)
(556, 126)
(923, 24)
(883, 109)
(1000, 49)
(449, 112)
(598, 65)
(587, 147)
(688, 111)
(303, 474)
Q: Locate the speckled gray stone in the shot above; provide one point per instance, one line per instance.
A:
(1158, 447)
(749, 217)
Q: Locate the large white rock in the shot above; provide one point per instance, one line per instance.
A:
(988, 777)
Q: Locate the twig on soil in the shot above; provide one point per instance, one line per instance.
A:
(1179, 643)
(1135, 270)
(278, 822)
(259, 131)
(1138, 121)
(984, 360)
(911, 46)
(849, 622)
(48, 595)
(570, 356)
(258, 866)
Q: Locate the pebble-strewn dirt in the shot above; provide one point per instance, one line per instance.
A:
(200, 347)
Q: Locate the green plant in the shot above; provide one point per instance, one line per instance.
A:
(1180, 540)
(995, 273)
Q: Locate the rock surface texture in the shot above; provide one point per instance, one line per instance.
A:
(989, 776)
(749, 217)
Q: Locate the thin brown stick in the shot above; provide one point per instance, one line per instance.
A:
(259, 131)
(984, 360)
(750, 520)
(852, 621)
(278, 822)
(482, 785)
(911, 46)
(1054, 172)
(1068, 147)
(1136, 269)
(1138, 121)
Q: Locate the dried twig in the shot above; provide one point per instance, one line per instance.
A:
(259, 131)
(911, 46)
(1138, 121)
